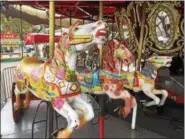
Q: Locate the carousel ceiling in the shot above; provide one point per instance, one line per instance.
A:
(86, 10)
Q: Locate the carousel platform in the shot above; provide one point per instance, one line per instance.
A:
(147, 126)
(114, 127)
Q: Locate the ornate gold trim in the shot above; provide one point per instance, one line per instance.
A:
(182, 26)
(119, 17)
(177, 49)
(174, 18)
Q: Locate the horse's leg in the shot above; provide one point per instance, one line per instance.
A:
(27, 99)
(18, 92)
(87, 111)
(64, 109)
(17, 98)
(164, 94)
(148, 91)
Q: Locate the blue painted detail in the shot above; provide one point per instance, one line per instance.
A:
(73, 48)
(85, 84)
(148, 69)
(111, 74)
(51, 93)
(96, 81)
(34, 89)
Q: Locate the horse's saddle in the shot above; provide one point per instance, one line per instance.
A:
(89, 81)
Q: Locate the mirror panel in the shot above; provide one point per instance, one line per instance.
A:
(163, 27)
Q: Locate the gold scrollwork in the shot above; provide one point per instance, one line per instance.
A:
(121, 19)
(164, 12)
(150, 44)
(180, 42)
(177, 49)
(131, 13)
(182, 26)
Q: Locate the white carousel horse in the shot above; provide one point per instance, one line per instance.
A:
(55, 80)
(146, 78)
(145, 81)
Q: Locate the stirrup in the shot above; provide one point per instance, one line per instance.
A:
(54, 134)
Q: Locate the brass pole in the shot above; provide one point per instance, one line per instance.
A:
(101, 97)
(51, 52)
(51, 28)
(70, 20)
(141, 39)
(100, 10)
(21, 32)
(101, 18)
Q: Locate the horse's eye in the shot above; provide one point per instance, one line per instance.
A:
(93, 28)
(76, 28)
(116, 46)
(122, 47)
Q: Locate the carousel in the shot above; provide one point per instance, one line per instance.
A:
(108, 74)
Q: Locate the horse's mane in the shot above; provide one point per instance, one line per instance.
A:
(60, 48)
(59, 53)
(148, 69)
(110, 62)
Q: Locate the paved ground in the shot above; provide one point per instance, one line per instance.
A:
(114, 127)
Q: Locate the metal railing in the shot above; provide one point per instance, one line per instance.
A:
(7, 79)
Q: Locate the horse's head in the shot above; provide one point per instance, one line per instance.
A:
(160, 61)
(122, 53)
(82, 37)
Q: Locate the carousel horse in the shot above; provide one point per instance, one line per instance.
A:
(106, 80)
(144, 80)
(115, 82)
(55, 80)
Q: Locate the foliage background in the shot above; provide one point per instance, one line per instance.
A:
(15, 25)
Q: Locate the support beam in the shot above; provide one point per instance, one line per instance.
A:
(21, 32)
(101, 18)
(141, 38)
(51, 28)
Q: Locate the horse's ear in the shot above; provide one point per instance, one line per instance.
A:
(78, 22)
(114, 43)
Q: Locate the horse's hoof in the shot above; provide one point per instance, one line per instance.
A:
(17, 115)
(160, 109)
(54, 134)
(150, 110)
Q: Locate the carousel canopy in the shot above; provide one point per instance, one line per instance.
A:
(86, 10)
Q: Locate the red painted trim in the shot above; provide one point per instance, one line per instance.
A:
(101, 127)
(70, 95)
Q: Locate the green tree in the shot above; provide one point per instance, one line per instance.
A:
(15, 25)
